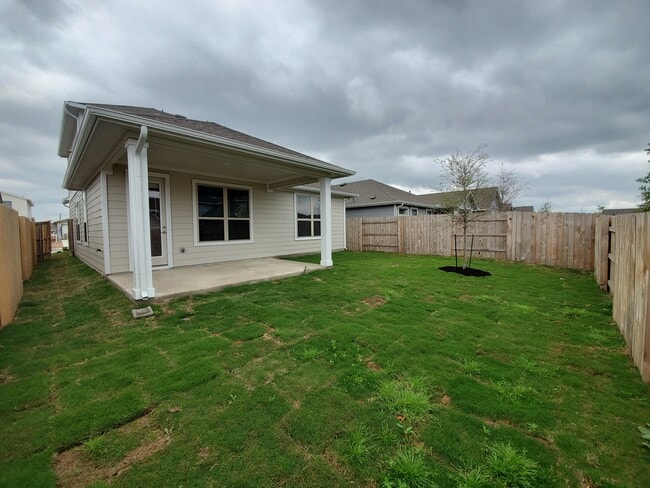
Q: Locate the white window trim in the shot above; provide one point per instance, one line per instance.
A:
(76, 222)
(81, 218)
(86, 240)
(195, 213)
(295, 217)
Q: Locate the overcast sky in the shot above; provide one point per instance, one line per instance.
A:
(560, 90)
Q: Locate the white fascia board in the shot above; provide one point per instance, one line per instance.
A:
(194, 135)
(391, 202)
(68, 124)
(78, 147)
(312, 189)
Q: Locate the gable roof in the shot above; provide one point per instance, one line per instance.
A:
(79, 121)
(482, 198)
(372, 193)
(29, 201)
(205, 127)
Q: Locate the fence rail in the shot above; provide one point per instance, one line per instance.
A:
(554, 239)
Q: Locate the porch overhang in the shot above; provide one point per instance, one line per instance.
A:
(93, 138)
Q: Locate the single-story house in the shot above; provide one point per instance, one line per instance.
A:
(375, 199)
(150, 189)
(21, 205)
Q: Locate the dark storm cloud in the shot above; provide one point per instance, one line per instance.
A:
(558, 89)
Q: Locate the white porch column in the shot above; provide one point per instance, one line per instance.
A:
(139, 227)
(326, 222)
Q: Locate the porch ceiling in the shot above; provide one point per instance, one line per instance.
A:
(175, 152)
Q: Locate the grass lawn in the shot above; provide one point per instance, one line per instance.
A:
(382, 371)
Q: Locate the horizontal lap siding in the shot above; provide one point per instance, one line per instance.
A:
(119, 242)
(93, 253)
(273, 226)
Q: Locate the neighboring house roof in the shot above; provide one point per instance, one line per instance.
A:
(5, 194)
(80, 121)
(487, 198)
(621, 211)
(372, 193)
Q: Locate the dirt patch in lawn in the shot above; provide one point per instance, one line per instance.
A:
(268, 336)
(75, 468)
(375, 301)
(465, 271)
(373, 365)
(5, 377)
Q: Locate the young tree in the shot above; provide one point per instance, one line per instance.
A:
(510, 185)
(547, 207)
(465, 172)
(645, 187)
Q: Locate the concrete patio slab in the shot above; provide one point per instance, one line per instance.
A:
(193, 280)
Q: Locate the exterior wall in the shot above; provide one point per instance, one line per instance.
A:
(273, 224)
(19, 204)
(91, 252)
(117, 223)
(378, 211)
(381, 211)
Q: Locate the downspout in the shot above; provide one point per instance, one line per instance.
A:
(144, 132)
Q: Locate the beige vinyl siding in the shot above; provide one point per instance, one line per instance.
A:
(273, 226)
(117, 225)
(92, 254)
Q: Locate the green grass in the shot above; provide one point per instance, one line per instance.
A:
(382, 371)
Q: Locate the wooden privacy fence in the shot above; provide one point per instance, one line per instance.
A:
(18, 255)
(622, 266)
(564, 240)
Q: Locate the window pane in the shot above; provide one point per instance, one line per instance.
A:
(414, 211)
(316, 227)
(238, 229)
(156, 242)
(403, 211)
(303, 207)
(304, 228)
(210, 201)
(316, 207)
(210, 230)
(237, 203)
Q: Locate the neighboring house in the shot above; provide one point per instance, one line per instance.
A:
(59, 230)
(21, 205)
(150, 189)
(375, 199)
(621, 211)
(485, 199)
(524, 208)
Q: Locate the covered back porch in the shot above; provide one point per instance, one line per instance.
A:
(194, 280)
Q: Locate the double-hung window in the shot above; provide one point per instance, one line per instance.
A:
(307, 216)
(222, 213)
(80, 220)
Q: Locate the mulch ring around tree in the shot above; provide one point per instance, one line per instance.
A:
(465, 271)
